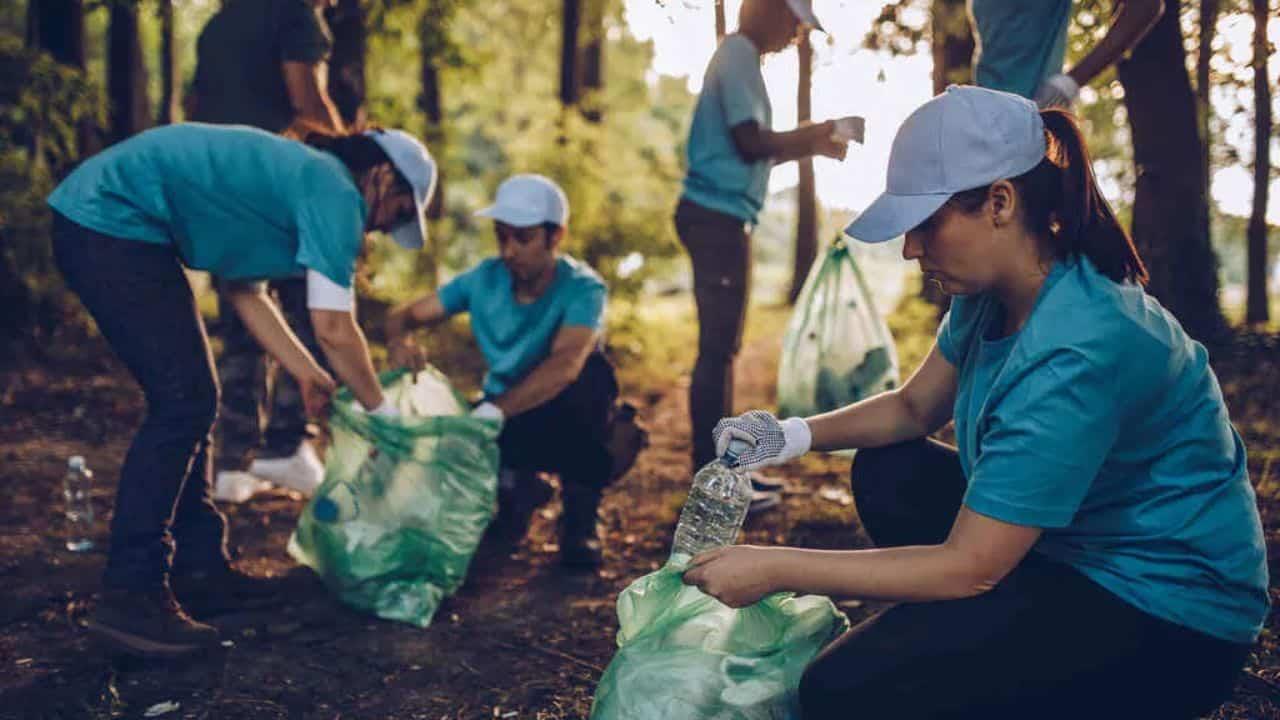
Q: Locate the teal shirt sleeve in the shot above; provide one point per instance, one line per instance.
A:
(455, 296)
(330, 218)
(738, 84)
(1044, 442)
(302, 34)
(586, 309)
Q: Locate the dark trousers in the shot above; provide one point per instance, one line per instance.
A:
(567, 435)
(143, 305)
(248, 394)
(1045, 643)
(720, 248)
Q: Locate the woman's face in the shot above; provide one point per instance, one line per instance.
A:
(958, 250)
(390, 203)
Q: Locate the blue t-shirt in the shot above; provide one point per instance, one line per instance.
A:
(236, 201)
(1101, 422)
(733, 92)
(1019, 44)
(514, 336)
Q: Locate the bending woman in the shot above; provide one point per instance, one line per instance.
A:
(246, 206)
(1092, 547)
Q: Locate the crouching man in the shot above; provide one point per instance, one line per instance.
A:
(537, 316)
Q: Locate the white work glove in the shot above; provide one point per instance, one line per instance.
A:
(386, 409)
(488, 411)
(1057, 91)
(772, 442)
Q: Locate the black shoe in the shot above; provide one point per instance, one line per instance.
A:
(764, 483)
(517, 503)
(148, 623)
(762, 500)
(211, 593)
(581, 552)
(580, 545)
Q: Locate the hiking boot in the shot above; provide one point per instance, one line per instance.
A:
(148, 623)
(226, 590)
(580, 545)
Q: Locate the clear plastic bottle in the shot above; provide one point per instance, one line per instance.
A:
(342, 502)
(717, 505)
(76, 487)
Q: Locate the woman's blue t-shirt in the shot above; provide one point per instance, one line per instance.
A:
(1101, 422)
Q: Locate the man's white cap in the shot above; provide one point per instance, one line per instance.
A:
(412, 160)
(803, 10)
(965, 138)
(527, 200)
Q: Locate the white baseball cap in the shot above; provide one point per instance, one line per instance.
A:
(803, 10)
(412, 160)
(526, 200)
(965, 138)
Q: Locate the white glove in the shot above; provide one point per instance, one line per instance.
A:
(1057, 91)
(488, 411)
(772, 442)
(386, 409)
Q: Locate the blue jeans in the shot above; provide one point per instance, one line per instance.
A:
(143, 305)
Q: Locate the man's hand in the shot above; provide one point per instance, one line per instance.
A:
(1057, 91)
(488, 411)
(405, 352)
(829, 144)
(738, 575)
(317, 389)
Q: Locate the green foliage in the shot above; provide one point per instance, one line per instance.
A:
(42, 104)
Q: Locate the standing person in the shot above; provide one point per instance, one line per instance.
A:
(732, 148)
(1021, 46)
(263, 63)
(538, 316)
(1092, 547)
(246, 206)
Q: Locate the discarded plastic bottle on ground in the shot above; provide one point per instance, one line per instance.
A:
(76, 487)
(717, 505)
(341, 504)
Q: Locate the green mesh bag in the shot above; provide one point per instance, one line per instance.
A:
(837, 349)
(683, 654)
(405, 500)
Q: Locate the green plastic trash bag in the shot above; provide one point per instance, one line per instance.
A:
(405, 500)
(837, 349)
(682, 654)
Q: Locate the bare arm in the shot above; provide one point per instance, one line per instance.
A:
(348, 353)
(569, 352)
(1133, 20)
(420, 313)
(919, 407)
(308, 93)
(755, 143)
(978, 554)
(271, 331)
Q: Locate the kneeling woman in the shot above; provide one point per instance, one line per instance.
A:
(1092, 547)
(246, 206)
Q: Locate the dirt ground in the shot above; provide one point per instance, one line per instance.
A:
(521, 639)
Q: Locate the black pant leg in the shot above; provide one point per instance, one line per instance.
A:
(287, 420)
(242, 372)
(908, 493)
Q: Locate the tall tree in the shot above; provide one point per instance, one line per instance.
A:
(720, 29)
(168, 65)
(1204, 55)
(570, 69)
(1256, 310)
(806, 192)
(593, 60)
(433, 43)
(1171, 202)
(126, 72)
(951, 43)
(346, 63)
(57, 27)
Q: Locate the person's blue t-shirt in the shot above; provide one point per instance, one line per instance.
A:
(1019, 44)
(239, 202)
(513, 336)
(733, 92)
(1101, 422)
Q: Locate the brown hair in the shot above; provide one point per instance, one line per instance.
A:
(1061, 201)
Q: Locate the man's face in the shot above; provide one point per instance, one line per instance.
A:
(527, 252)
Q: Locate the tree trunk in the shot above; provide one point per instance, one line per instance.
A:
(168, 65)
(806, 194)
(126, 73)
(570, 71)
(1204, 110)
(57, 27)
(1171, 202)
(952, 45)
(1256, 310)
(346, 63)
(719, 19)
(593, 60)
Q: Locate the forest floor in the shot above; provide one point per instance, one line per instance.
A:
(521, 639)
